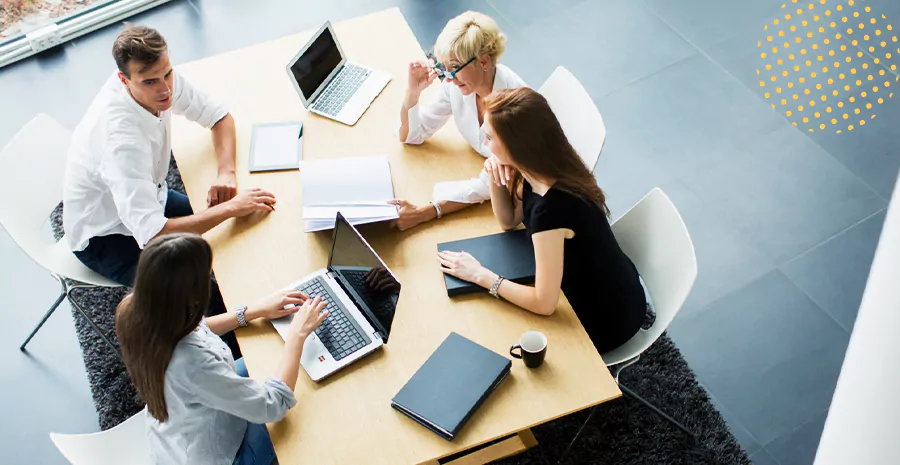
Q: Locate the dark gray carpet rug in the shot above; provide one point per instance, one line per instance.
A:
(620, 432)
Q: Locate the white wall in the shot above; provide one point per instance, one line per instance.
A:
(863, 425)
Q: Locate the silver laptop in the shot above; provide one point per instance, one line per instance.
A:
(361, 295)
(328, 84)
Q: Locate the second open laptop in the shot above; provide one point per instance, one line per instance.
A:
(361, 295)
(328, 84)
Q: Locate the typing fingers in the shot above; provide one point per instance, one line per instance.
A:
(293, 301)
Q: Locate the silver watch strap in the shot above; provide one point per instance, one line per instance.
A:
(495, 289)
(240, 316)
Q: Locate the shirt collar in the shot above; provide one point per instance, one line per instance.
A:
(499, 78)
(145, 117)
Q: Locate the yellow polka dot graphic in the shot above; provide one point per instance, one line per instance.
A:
(816, 71)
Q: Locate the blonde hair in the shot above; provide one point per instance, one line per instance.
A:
(469, 35)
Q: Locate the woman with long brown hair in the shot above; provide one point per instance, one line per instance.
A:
(539, 179)
(204, 408)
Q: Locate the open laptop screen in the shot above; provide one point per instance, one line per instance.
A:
(364, 275)
(316, 63)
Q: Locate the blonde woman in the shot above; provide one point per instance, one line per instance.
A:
(465, 61)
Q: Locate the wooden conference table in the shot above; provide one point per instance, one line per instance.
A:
(347, 418)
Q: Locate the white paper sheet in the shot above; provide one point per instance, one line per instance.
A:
(357, 187)
(346, 181)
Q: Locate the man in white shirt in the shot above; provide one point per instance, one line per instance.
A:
(115, 193)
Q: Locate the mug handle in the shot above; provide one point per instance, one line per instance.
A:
(515, 355)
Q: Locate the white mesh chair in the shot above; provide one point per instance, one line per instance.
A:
(125, 443)
(34, 163)
(655, 238)
(577, 114)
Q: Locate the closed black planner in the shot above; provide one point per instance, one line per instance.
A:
(509, 254)
(451, 385)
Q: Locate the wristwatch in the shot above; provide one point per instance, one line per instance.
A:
(240, 316)
(495, 289)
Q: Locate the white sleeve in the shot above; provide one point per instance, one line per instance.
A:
(425, 120)
(475, 190)
(194, 104)
(215, 384)
(126, 168)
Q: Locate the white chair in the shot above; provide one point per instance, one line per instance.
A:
(655, 238)
(33, 166)
(125, 443)
(577, 114)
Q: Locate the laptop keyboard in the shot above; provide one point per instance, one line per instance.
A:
(340, 334)
(348, 80)
(380, 304)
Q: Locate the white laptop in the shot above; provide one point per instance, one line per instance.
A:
(362, 296)
(328, 84)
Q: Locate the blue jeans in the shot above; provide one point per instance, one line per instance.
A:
(257, 447)
(116, 257)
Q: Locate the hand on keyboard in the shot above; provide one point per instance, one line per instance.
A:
(277, 305)
(308, 318)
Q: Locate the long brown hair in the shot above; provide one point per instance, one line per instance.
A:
(171, 294)
(528, 128)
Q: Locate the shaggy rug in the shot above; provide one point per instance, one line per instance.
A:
(620, 432)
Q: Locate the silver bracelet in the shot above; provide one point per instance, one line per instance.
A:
(437, 208)
(239, 313)
(495, 289)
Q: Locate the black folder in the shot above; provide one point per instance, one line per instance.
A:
(451, 385)
(509, 254)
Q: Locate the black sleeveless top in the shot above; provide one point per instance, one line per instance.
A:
(599, 280)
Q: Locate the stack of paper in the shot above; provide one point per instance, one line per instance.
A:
(359, 188)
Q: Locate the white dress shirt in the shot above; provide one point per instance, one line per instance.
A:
(425, 120)
(209, 404)
(116, 170)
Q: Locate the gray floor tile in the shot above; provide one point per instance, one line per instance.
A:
(627, 169)
(705, 22)
(889, 8)
(226, 26)
(864, 145)
(834, 274)
(799, 446)
(689, 117)
(726, 259)
(523, 13)
(870, 152)
(762, 457)
(609, 43)
(786, 193)
(46, 388)
(38, 85)
(882, 32)
(745, 439)
(767, 352)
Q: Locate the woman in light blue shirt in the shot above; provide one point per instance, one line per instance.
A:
(204, 408)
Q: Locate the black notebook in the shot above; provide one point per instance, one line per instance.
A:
(451, 385)
(509, 254)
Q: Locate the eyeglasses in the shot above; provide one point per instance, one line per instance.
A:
(441, 70)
